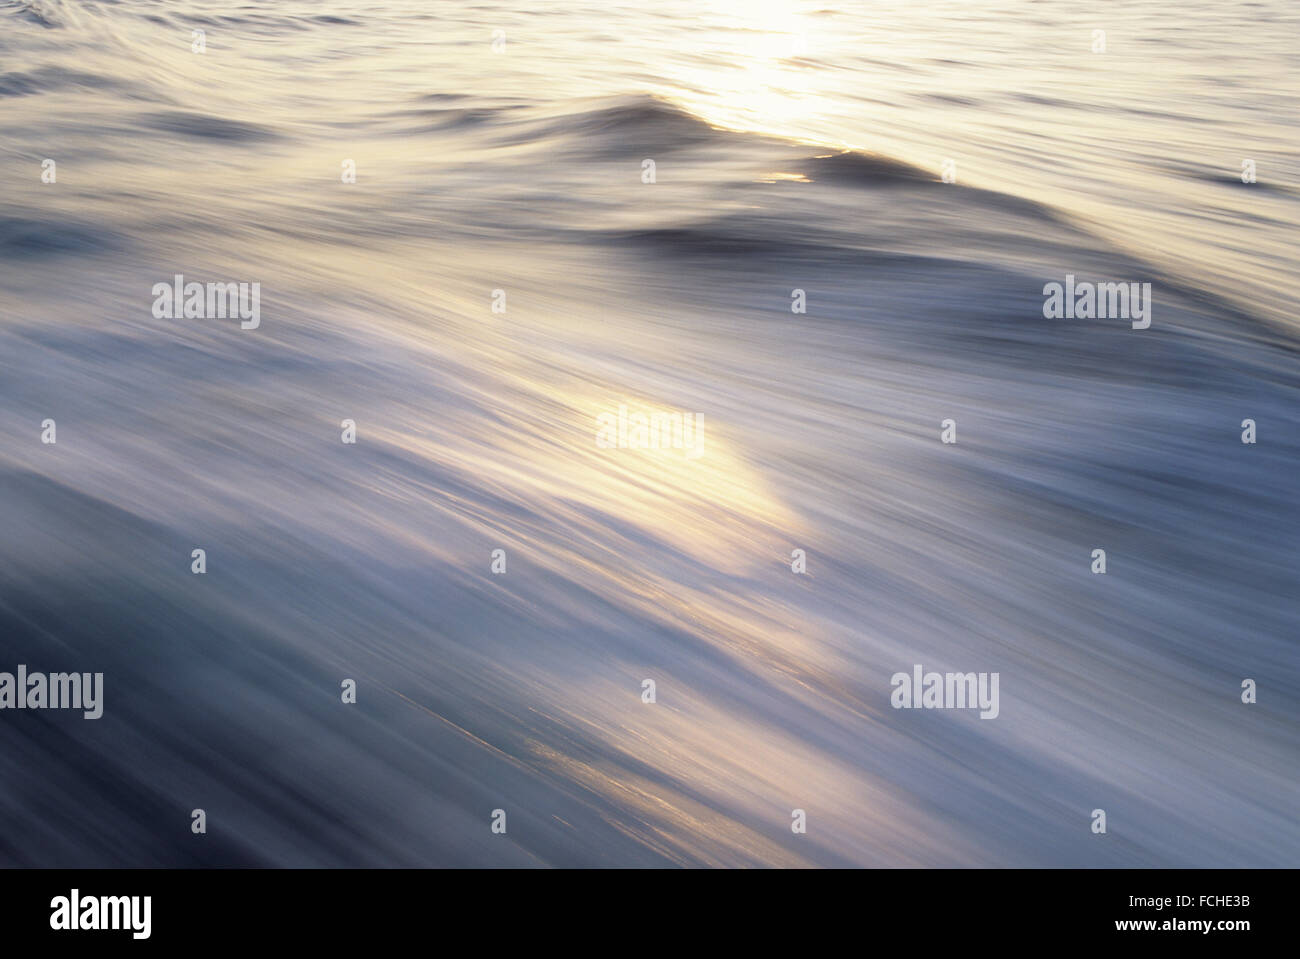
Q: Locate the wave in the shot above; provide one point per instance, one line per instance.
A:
(31, 11)
(52, 79)
(205, 126)
(22, 238)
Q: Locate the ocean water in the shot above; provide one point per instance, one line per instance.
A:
(502, 147)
